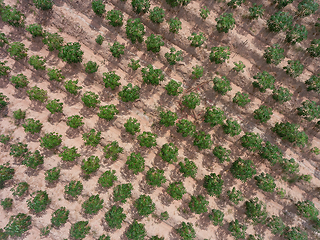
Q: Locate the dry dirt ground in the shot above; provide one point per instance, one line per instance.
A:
(76, 22)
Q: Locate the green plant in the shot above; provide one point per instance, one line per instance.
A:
(239, 66)
(59, 217)
(279, 21)
(235, 196)
(214, 116)
(263, 113)
(99, 39)
(53, 40)
(186, 127)
(144, 205)
(309, 110)
(147, 139)
(140, 6)
(74, 188)
(129, 93)
(79, 230)
(155, 177)
(71, 86)
(265, 182)
(54, 74)
(39, 202)
(197, 39)
(154, 43)
(37, 62)
(107, 178)
(54, 106)
(112, 150)
(132, 126)
(281, 94)
(135, 30)
(52, 174)
(38, 94)
(282, 3)
(174, 25)
(186, 231)
(18, 149)
(243, 169)
(264, 81)
(135, 163)
(222, 153)
(221, 85)
(256, 210)
(313, 83)
(252, 141)
(4, 139)
(213, 184)
(117, 49)
(104, 237)
(169, 152)
(274, 54)
(256, 11)
(19, 114)
(90, 165)
(173, 56)
(271, 152)
(235, 3)
(198, 204)
(6, 173)
(115, 18)
(176, 190)
(91, 67)
(3, 39)
(92, 205)
(51, 140)
(202, 140)
(156, 238)
(33, 160)
(32, 126)
(157, 15)
(231, 127)
(174, 88)
(307, 209)
(90, 99)
(43, 4)
(307, 7)
(18, 224)
(6, 203)
(219, 55)
(35, 29)
(45, 231)
(294, 68)
(276, 225)
(314, 150)
(151, 75)
(12, 16)
(216, 217)
(188, 168)
(168, 118)
(204, 12)
(294, 233)
(98, 7)
(289, 166)
(122, 192)
(241, 99)
(74, 121)
(17, 50)
(296, 34)
(134, 64)
(107, 112)
(225, 22)
(4, 70)
(136, 231)
(197, 72)
(115, 216)
(71, 53)
(164, 216)
(238, 231)
(289, 131)
(191, 100)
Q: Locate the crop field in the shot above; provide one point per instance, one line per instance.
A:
(149, 119)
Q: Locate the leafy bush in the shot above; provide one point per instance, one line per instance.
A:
(6, 173)
(174, 88)
(188, 168)
(115, 18)
(307, 209)
(19, 114)
(144, 205)
(4, 70)
(92, 205)
(52, 174)
(43, 4)
(276, 225)
(174, 25)
(243, 169)
(265, 182)
(74, 188)
(90, 99)
(155, 177)
(235, 196)
(294, 233)
(204, 12)
(74, 121)
(197, 39)
(117, 49)
(222, 153)
(134, 64)
(17, 50)
(32, 126)
(241, 99)
(129, 93)
(202, 140)
(71, 53)
(219, 55)
(186, 231)
(71, 86)
(18, 149)
(51, 140)
(39, 202)
(18, 224)
(168, 118)
(252, 141)
(53, 40)
(216, 217)
(4, 139)
(221, 85)
(176, 190)
(191, 101)
(197, 72)
(213, 184)
(271, 152)
(99, 39)
(107, 112)
(38, 94)
(225, 22)
(135, 30)
(79, 230)
(256, 210)
(164, 216)
(157, 15)
(90, 165)
(309, 110)
(282, 3)
(294, 68)
(114, 217)
(132, 126)
(169, 152)
(33, 160)
(281, 94)
(154, 43)
(238, 67)
(107, 178)
(237, 230)
(54, 106)
(12, 16)
(6, 204)
(35, 29)
(185, 127)
(231, 127)
(296, 34)
(263, 113)
(265, 81)
(112, 150)
(3, 39)
(307, 7)
(214, 116)
(135, 163)
(289, 131)
(122, 192)
(59, 217)
(274, 54)
(313, 83)
(54, 74)
(279, 21)
(256, 11)
(151, 75)
(136, 231)
(140, 6)
(147, 139)
(198, 204)
(98, 7)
